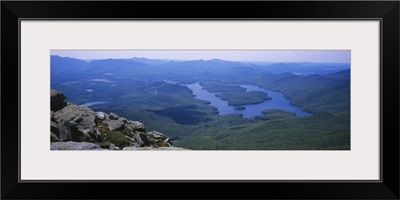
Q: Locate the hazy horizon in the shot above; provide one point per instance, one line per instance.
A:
(315, 56)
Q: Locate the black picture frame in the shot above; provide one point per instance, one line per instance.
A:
(386, 11)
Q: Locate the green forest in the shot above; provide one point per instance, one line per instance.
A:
(159, 99)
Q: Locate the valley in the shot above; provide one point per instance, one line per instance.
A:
(217, 104)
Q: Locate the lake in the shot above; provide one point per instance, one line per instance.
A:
(93, 103)
(278, 101)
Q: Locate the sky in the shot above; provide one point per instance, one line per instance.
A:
(321, 56)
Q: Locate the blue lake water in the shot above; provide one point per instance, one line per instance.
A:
(278, 101)
(93, 103)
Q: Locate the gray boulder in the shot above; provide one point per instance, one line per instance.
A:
(64, 131)
(87, 125)
(157, 135)
(158, 139)
(57, 100)
(79, 120)
(100, 115)
(73, 112)
(114, 116)
(134, 126)
(115, 125)
(139, 139)
(74, 146)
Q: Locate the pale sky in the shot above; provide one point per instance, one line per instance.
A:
(334, 56)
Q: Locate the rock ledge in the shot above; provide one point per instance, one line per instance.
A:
(76, 127)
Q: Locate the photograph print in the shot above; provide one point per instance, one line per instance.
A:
(111, 100)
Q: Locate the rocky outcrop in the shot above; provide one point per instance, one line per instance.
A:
(152, 148)
(74, 127)
(76, 123)
(74, 146)
(116, 124)
(100, 115)
(57, 100)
